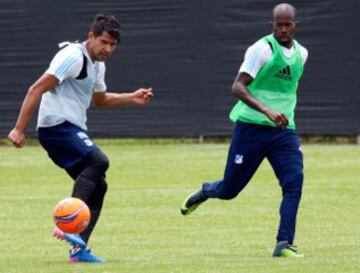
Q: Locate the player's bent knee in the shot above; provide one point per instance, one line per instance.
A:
(100, 160)
(97, 163)
(103, 164)
(103, 187)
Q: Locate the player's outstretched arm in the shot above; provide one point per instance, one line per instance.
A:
(106, 99)
(240, 91)
(43, 84)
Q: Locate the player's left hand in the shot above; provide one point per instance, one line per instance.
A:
(142, 96)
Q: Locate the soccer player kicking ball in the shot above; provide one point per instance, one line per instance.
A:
(264, 125)
(74, 78)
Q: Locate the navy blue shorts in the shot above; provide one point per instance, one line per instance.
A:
(65, 143)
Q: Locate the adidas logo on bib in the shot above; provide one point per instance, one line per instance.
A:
(284, 74)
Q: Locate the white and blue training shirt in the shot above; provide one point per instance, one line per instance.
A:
(71, 98)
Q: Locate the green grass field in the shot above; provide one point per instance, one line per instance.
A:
(142, 230)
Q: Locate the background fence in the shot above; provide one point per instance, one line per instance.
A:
(189, 52)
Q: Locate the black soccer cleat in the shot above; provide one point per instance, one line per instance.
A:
(192, 202)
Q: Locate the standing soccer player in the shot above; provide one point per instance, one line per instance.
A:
(264, 125)
(74, 78)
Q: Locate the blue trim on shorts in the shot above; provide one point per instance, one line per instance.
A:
(65, 143)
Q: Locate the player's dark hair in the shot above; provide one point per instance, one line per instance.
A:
(108, 23)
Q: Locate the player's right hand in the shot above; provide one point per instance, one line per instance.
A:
(279, 119)
(17, 138)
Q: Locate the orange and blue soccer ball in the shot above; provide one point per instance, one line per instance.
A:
(72, 215)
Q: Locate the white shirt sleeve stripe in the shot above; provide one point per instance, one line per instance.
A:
(65, 66)
(67, 63)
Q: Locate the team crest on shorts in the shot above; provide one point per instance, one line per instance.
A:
(238, 159)
(84, 137)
